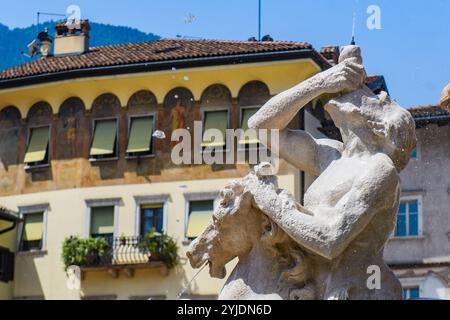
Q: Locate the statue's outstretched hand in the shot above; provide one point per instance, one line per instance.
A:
(348, 76)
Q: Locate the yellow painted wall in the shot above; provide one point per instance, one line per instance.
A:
(7, 240)
(277, 75)
(42, 274)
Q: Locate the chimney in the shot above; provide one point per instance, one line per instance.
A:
(72, 37)
(331, 53)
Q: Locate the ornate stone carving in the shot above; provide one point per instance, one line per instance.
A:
(332, 247)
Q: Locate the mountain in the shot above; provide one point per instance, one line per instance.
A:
(14, 41)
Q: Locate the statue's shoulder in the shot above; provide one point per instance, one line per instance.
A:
(381, 172)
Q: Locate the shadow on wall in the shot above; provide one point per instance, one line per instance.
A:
(27, 283)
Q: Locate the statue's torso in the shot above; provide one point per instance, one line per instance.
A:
(349, 271)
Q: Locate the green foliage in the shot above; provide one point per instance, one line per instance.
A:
(161, 247)
(83, 252)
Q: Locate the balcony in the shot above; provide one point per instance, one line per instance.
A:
(117, 255)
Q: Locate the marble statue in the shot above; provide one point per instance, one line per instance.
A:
(332, 246)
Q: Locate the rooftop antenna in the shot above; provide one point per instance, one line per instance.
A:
(39, 14)
(353, 42)
(259, 19)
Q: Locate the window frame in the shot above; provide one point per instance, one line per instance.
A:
(23, 211)
(152, 152)
(148, 200)
(94, 203)
(41, 164)
(411, 198)
(115, 157)
(246, 147)
(205, 110)
(412, 283)
(196, 196)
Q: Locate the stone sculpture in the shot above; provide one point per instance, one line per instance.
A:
(330, 247)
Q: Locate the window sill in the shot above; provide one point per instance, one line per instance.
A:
(37, 167)
(32, 253)
(147, 156)
(94, 160)
(408, 238)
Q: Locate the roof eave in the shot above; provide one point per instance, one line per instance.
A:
(166, 65)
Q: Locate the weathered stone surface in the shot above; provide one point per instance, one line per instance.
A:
(328, 248)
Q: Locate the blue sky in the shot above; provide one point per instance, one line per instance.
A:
(412, 49)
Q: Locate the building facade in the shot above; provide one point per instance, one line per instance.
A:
(419, 251)
(85, 146)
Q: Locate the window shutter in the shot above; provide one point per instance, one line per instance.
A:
(246, 115)
(102, 220)
(37, 146)
(200, 212)
(140, 135)
(104, 138)
(34, 227)
(215, 120)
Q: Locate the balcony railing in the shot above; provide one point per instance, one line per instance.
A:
(116, 254)
(121, 251)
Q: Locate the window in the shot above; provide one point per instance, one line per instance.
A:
(37, 149)
(102, 222)
(6, 265)
(215, 120)
(152, 217)
(408, 219)
(246, 114)
(140, 137)
(411, 293)
(200, 212)
(104, 142)
(33, 232)
(414, 154)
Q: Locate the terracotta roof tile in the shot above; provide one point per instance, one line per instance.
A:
(426, 112)
(152, 51)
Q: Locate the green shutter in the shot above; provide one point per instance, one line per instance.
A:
(246, 115)
(200, 212)
(102, 220)
(33, 227)
(140, 135)
(37, 147)
(215, 120)
(104, 138)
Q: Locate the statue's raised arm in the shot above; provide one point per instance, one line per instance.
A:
(297, 146)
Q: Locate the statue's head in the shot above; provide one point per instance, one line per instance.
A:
(227, 233)
(378, 121)
(236, 226)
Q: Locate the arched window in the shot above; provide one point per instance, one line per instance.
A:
(142, 121)
(216, 114)
(252, 96)
(39, 121)
(105, 124)
(10, 125)
(70, 130)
